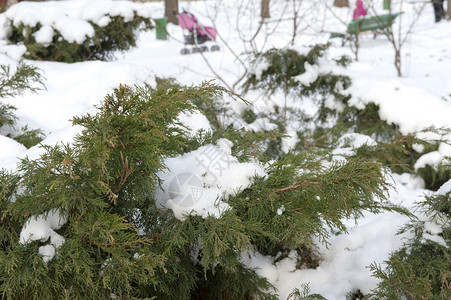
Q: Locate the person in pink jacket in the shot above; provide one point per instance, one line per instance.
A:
(359, 11)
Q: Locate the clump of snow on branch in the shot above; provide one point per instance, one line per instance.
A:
(435, 158)
(42, 228)
(349, 142)
(194, 121)
(413, 108)
(310, 75)
(258, 68)
(198, 182)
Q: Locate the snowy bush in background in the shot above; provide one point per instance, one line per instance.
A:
(73, 31)
(15, 79)
(312, 79)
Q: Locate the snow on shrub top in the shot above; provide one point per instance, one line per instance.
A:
(10, 146)
(310, 75)
(194, 121)
(198, 181)
(413, 108)
(445, 188)
(41, 228)
(434, 158)
(70, 18)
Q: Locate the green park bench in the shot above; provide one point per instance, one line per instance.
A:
(376, 24)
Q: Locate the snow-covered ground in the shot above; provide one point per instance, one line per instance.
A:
(419, 99)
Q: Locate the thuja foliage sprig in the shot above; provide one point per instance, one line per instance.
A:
(204, 258)
(305, 294)
(25, 77)
(299, 200)
(14, 83)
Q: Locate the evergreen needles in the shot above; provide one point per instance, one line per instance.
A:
(119, 34)
(110, 238)
(421, 268)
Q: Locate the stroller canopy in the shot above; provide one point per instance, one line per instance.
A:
(190, 22)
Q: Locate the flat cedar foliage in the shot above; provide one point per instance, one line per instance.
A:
(119, 244)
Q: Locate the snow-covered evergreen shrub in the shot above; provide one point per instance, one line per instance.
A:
(14, 83)
(421, 268)
(310, 76)
(75, 31)
(297, 75)
(109, 216)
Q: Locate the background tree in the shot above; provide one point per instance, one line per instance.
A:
(254, 34)
(265, 9)
(448, 11)
(341, 3)
(171, 10)
(398, 35)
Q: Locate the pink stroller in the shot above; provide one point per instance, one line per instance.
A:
(197, 34)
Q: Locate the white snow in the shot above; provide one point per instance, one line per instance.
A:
(9, 150)
(445, 188)
(331, 103)
(434, 158)
(194, 121)
(70, 18)
(355, 140)
(199, 181)
(309, 76)
(259, 68)
(41, 228)
(280, 210)
(44, 35)
(197, 184)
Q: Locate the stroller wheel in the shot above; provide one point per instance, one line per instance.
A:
(204, 48)
(184, 51)
(214, 48)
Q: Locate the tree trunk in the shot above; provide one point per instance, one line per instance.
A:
(265, 9)
(398, 62)
(341, 3)
(448, 10)
(171, 10)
